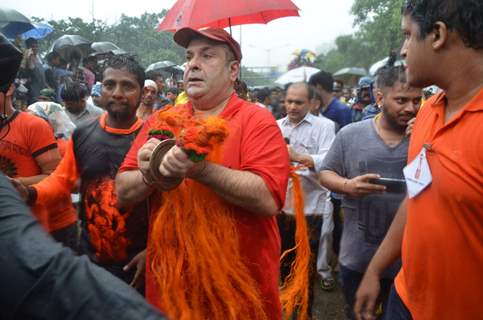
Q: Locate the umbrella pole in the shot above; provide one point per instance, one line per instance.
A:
(229, 24)
(241, 71)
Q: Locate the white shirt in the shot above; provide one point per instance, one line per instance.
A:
(313, 136)
(90, 112)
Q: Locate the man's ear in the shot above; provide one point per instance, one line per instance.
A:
(439, 35)
(235, 69)
(379, 98)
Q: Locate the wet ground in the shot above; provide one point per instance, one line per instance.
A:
(328, 305)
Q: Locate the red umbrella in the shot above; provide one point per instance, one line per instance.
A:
(220, 14)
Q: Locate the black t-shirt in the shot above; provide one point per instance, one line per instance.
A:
(111, 236)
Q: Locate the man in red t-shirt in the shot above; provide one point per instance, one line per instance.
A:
(250, 179)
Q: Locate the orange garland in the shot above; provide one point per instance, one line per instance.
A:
(294, 294)
(195, 252)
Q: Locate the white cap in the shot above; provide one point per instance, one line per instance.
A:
(150, 83)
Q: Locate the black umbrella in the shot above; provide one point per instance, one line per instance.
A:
(69, 45)
(106, 47)
(165, 66)
(13, 23)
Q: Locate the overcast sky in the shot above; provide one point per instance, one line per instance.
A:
(320, 22)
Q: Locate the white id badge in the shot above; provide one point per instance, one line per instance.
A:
(418, 174)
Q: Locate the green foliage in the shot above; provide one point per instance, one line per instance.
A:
(378, 24)
(136, 35)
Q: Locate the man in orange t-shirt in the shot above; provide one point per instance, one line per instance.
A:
(438, 231)
(28, 154)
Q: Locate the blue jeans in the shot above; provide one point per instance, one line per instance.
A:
(350, 281)
(395, 309)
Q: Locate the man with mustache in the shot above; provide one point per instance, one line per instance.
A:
(112, 236)
(438, 230)
(249, 180)
(362, 152)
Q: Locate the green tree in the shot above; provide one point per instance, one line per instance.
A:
(378, 33)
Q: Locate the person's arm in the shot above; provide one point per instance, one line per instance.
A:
(47, 162)
(302, 158)
(326, 136)
(241, 188)
(356, 187)
(247, 188)
(42, 279)
(55, 186)
(389, 251)
(132, 186)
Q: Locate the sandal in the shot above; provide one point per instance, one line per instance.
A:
(327, 284)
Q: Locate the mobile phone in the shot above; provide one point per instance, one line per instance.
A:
(392, 185)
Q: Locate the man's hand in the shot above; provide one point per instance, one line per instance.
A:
(304, 159)
(21, 188)
(409, 128)
(144, 154)
(361, 186)
(138, 262)
(366, 297)
(176, 164)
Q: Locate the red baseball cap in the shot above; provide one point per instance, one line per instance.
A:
(184, 36)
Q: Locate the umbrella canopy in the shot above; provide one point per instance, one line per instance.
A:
(381, 63)
(211, 13)
(296, 75)
(106, 47)
(40, 31)
(68, 44)
(350, 76)
(161, 66)
(13, 23)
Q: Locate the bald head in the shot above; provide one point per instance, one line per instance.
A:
(304, 86)
(298, 101)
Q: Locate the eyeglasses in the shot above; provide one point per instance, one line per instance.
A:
(296, 102)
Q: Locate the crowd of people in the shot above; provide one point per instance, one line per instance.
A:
(180, 201)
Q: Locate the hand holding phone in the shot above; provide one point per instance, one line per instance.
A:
(392, 185)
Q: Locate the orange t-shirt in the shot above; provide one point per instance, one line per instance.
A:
(28, 137)
(442, 250)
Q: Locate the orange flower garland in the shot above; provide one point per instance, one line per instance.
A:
(194, 245)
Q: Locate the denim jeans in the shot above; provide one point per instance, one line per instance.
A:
(395, 309)
(350, 281)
